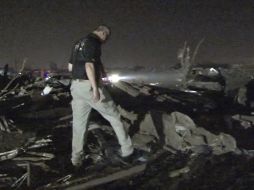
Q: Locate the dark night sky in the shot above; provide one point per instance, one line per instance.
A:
(144, 32)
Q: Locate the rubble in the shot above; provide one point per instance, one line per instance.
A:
(246, 121)
(180, 133)
(173, 131)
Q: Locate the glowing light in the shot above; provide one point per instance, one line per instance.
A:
(47, 78)
(114, 78)
(154, 83)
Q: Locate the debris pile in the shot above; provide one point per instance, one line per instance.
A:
(178, 134)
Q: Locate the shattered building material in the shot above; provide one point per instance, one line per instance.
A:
(241, 97)
(127, 88)
(49, 113)
(209, 84)
(179, 132)
(31, 144)
(159, 120)
(9, 155)
(246, 121)
(112, 177)
(131, 116)
(7, 125)
(245, 95)
(35, 156)
(26, 176)
(180, 171)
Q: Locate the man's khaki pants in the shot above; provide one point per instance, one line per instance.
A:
(82, 104)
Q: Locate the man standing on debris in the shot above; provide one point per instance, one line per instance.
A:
(88, 92)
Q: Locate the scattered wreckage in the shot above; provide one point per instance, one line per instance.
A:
(178, 135)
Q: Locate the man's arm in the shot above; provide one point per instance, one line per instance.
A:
(90, 71)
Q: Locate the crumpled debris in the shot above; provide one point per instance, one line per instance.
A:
(175, 132)
(241, 96)
(179, 132)
(247, 121)
(127, 88)
(10, 154)
(7, 125)
(35, 156)
(143, 142)
(91, 181)
(178, 172)
(31, 144)
(18, 179)
(131, 116)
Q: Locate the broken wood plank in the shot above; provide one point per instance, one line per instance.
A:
(127, 88)
(112, 177)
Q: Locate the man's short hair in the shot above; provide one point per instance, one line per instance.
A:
(103, 28)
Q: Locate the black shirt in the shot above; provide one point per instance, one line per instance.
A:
(86, 49)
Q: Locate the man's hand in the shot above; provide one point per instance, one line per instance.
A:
(96, 95)
(90, 71)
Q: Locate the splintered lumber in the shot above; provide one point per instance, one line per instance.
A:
(93, 180)
(46, 114)
(15, 103)
(127, 88)
(109, 178)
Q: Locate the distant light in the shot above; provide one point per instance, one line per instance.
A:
(154, 83)
(191, 91)
(47, 78)
(114, 78)
(104, 79)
